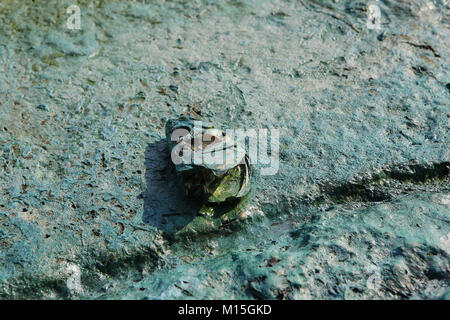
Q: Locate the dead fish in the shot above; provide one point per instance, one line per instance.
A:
(224, 172)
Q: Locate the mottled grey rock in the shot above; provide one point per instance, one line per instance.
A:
(359, 207)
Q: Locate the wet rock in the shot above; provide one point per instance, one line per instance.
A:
(89, 204)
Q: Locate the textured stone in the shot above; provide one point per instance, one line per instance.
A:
(358, 209)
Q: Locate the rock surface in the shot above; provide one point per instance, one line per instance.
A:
(359, 208)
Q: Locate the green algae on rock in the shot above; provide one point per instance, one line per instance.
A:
(346, 206)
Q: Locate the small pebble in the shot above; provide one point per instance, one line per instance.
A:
(173, 88)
